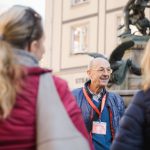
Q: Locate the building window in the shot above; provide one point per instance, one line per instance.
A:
(79, 36)
(78, 2)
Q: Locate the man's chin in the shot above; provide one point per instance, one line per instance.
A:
(104, 83)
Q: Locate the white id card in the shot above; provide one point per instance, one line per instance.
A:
(99, 127)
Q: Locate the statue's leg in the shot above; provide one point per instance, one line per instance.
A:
(126, 20)
(126, 12)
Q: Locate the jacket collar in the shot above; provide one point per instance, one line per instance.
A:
(86, 85)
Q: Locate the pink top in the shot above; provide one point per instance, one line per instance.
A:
(18, 131)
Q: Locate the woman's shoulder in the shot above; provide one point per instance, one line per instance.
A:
(141, 98)
(62, 86)
(59, 82)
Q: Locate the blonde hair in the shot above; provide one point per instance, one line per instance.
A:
(19, 26)
(10, 74)
(145, 67)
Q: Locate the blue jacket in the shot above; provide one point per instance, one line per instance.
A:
(114, 103)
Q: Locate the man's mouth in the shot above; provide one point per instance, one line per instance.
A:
(104, 79)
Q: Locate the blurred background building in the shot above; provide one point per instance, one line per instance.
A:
(80, 26)
(75, 27)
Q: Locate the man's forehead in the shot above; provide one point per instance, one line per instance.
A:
(100, 62)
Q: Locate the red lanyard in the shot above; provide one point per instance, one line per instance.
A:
(93, 105)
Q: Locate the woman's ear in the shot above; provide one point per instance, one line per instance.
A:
(33, 46)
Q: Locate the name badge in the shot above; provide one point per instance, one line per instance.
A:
(99, 127)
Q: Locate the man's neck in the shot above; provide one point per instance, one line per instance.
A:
(94, 89)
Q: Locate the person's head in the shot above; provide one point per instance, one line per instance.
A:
(21, 27)
(99, 72)
(145, 67)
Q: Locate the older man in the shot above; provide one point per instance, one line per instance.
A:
(101, 109)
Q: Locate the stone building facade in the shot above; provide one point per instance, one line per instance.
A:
(74, 27)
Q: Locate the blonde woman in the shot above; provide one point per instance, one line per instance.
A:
(134, 133)
(21, 47)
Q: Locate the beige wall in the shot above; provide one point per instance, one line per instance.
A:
(102, 18)
(112, 4)
(48, 26)
(72, 12)
(111, 31)
(61, 17)
(69, 60)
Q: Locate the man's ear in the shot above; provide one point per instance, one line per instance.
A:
(33, 46)
(88, 72)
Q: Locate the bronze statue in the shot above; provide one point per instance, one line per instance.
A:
(134, 14)
(119, 66)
